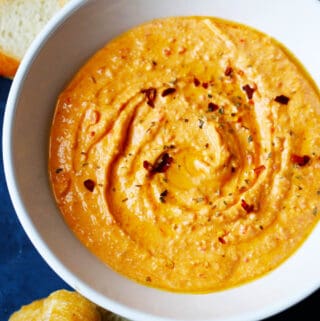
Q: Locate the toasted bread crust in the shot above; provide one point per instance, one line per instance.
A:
(8, 65)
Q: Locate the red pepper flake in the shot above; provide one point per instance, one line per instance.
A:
(89, 184)
(212, 107)
(282, 99)
(205, 85)
(248, 208)
(58, 170)
(182, 50)
(161, 164)
(68, 100)
(147, 166)
(300, 160)
(167, 51)
(228, 71)
(259, 169)
(222, 240)
(168, 91)
(196, 82)
(249, 91)
(151, 94)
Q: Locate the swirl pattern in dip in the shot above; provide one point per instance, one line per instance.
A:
(185, 154)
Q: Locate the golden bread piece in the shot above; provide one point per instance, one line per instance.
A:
(61, 305)
(31, 312)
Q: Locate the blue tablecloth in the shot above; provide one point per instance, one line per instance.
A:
(24, 275)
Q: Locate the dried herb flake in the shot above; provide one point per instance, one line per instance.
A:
(315, 210)
(201, 123)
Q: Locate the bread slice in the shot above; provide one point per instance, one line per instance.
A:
(63, 305)
(20, 22)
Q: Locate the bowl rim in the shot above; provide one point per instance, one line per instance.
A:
(24, 217)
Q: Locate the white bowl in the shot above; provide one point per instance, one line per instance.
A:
(69, 39)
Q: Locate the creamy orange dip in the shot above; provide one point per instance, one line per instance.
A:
(185, 154)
